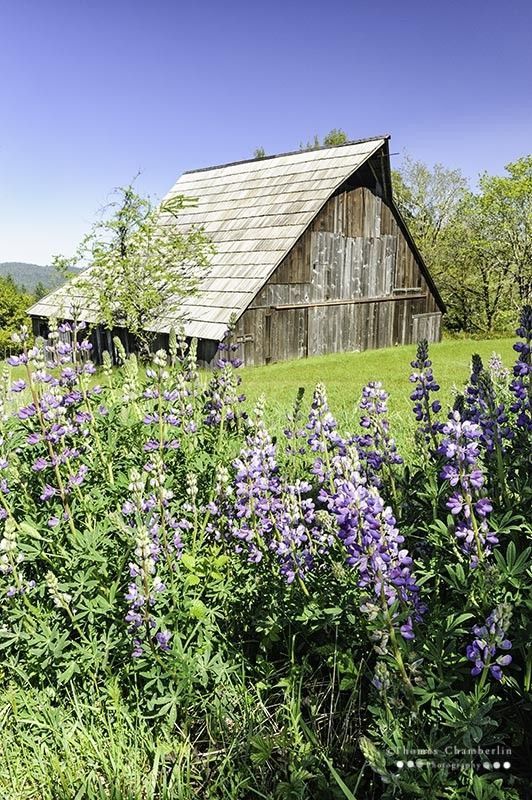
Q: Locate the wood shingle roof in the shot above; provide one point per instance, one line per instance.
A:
(254, 212)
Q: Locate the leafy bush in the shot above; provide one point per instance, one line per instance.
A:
(246, 616)
(14, 302)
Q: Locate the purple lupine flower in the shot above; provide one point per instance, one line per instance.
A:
(373, 545)
(78, 477)
(299, 536)
(140, 594)
(226, 357)
(264, 514)
(55, 433)
(521, 385)
(481, 406)
(137, 648)
(48, 492)
(143, 515)
(151, 445)
(257, 490)
(424, 407)
(173, 406)
(163, 638)
(221, 397)
(461, 449)
(489, 638)
(27, 411)
(17, 361)
(377, 448)
(322, 426)
(68, 376)
(18, 386)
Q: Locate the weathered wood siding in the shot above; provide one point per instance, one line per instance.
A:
(351, 282)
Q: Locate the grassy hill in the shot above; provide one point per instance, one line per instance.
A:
(28, 276)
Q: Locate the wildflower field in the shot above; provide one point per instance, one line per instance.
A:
(199, 600)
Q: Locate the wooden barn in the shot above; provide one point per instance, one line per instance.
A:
(311, 257)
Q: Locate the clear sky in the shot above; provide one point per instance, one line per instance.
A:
(91, 91)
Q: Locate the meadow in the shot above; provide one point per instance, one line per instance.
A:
(210, 588)
(346, 374)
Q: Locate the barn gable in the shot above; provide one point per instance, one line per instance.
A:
(275, 222)
(353, 281)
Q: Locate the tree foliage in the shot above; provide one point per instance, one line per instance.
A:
(14, 303)
(140, 264)
(40, 290)
(476, 244)
(335, 137)
(428, 200)
(506, 207)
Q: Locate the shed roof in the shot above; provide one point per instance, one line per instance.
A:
(254, 212)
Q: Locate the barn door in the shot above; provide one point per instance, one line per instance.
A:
(286, 334)
(426, 326)
(268, 337)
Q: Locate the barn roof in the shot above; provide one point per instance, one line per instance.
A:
(254, 212)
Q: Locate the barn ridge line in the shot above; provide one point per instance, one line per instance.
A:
(385, 136)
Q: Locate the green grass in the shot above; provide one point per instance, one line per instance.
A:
(345, 374)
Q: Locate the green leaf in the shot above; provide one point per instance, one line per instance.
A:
(65, 676)
(198, 610)
(30, 530)
(188, 561)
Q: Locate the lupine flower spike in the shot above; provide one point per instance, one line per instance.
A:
(468, 505)
(521, 385)
(489, 639)
(425, 408)
(377, 448)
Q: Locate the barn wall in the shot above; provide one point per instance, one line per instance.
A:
(351, 282)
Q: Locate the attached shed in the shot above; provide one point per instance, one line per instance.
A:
(311, 257)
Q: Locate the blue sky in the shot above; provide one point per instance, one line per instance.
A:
(93, 91)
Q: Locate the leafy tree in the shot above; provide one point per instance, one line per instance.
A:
(428, 199)
(335, 137)
(13, 305)
(506, 207)
(141, 265)
(477, 245)
(474, 290)
(485, 253)
(40, 290)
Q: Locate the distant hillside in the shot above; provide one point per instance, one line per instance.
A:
(29, 275)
